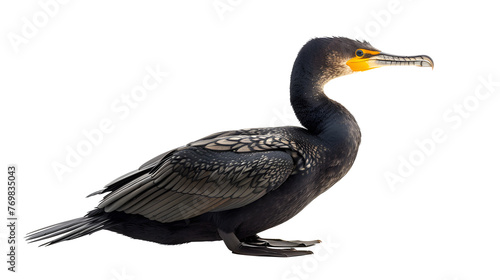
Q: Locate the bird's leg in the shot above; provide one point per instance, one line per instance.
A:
(236, 246)
(258, 241)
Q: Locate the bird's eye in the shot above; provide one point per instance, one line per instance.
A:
(359, 53)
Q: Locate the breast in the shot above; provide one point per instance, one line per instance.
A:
(332, 153)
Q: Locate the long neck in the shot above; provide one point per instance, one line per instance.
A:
(315, 111)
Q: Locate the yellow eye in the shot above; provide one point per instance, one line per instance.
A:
(359, 53)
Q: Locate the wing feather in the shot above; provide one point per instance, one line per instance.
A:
(217, 173)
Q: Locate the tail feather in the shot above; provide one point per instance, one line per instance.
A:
(69, 230)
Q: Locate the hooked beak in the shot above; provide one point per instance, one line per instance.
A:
(374, 59)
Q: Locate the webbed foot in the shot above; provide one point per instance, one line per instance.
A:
(258, 241)
(256, 246)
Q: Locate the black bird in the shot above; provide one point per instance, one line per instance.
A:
(232, 185)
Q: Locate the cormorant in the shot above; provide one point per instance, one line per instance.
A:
(232, 185)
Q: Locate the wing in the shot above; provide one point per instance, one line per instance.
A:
(129, 177)
(209, 175)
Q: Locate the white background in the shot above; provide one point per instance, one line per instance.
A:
(230, 69)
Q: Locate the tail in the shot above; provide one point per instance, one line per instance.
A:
(92, 222)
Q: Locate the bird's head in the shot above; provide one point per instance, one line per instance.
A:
(328, 58)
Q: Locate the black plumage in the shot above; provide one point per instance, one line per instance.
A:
(232, 185)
